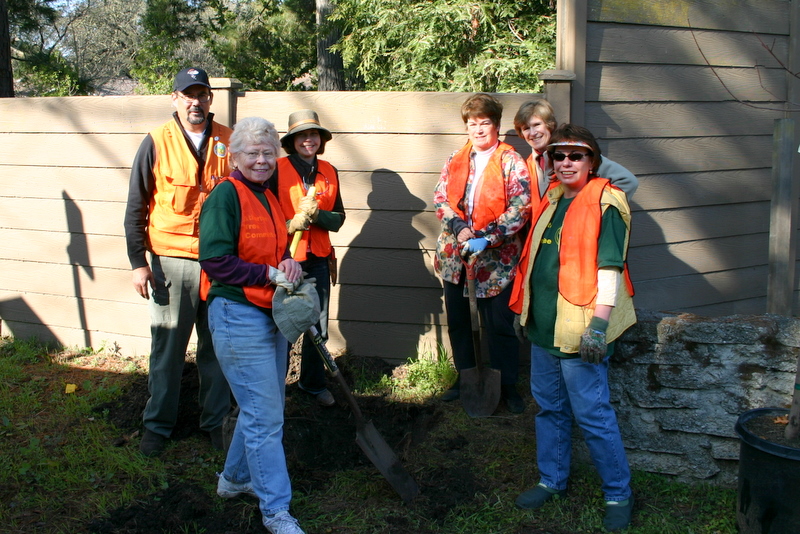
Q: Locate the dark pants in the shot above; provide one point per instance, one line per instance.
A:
(312, 370)
(498, 320)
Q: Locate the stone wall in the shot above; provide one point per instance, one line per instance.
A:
(679, 383)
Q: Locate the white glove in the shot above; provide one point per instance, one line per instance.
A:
(278, 278)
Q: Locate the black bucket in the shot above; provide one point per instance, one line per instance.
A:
(769, 481)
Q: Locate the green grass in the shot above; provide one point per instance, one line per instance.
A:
(58, 470)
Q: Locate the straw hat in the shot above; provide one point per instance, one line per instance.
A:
(305, 119)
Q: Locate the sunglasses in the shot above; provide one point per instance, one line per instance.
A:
(574, 156)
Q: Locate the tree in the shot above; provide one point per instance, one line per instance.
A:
(330, 68)
(448, 45)
(6, 74)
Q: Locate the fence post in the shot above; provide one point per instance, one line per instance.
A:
(783, 217)
(225, 94)
(558, 91)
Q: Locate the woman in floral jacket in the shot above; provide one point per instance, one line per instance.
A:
(482, 200)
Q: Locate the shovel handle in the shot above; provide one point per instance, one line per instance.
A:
(299, 234)
(330, 363)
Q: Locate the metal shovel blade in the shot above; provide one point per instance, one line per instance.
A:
(367, 436)
(382, 456)
(480, 391)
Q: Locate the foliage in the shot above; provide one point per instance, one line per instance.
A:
(448, 45)
(266, 44)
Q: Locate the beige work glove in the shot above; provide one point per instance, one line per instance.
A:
(298, 223)
(310, 207)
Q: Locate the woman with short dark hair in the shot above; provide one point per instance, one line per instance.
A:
(482, 200)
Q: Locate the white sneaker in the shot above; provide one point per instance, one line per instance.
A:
(228, 490)
(282, 523)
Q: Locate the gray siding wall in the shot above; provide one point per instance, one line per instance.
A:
(684, 94)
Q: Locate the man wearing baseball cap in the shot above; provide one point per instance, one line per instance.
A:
(175, 168)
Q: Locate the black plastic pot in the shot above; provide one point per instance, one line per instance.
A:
(769, 481)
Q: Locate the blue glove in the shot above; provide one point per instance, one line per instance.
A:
(476, 245)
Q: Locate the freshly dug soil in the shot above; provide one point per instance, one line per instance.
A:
(319, 442)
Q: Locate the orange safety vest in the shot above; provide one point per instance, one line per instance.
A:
(291, 190)
(580, 234)
(262, 239)
(490, 201)
(181, 187)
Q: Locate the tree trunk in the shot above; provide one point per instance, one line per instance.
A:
(330, 69)
(6, 74)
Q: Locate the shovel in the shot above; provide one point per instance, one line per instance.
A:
(480, 386)
(367, 436)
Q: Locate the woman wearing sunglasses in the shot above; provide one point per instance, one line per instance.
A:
(534, 122)
(574, 299)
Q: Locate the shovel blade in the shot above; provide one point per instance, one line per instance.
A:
(480, 391)
(382, 456)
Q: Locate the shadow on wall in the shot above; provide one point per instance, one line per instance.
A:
(23, 322)
(78, 254)
(388, 297)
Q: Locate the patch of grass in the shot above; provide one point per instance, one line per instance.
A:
(59, 470)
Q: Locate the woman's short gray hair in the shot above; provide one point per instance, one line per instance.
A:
(253, 131)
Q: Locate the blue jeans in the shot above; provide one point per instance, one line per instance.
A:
(176, 308)
(564, 387)
(253, 356)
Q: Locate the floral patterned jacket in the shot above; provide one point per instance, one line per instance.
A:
(497, 265)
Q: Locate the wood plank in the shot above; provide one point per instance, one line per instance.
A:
(689, 83)
(683, 292)
(76, 337)
(697, 257)
(68, 281)
(665, 191)
(700, 154)
(395, 343)
(100, 184)
(387, 267)
(36, 246)
(619, 43)
(388, 229)
(350, 152)
(64, 215)
(66, 312)
(85, 114)
(679, 119)
(382, 189)
(765, 16)
(378, 112)
(703, 222)
(418, 306)
(753, 306)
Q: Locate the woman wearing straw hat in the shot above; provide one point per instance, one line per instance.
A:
(314, 216)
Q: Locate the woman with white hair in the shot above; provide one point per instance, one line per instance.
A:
(244, 252)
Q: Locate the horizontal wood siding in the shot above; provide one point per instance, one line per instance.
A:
(684, 94)
(64, 167)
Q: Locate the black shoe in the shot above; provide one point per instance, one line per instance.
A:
(618, 515)
(451, 394)
(513, 400)
(152, 444)
(217, 442)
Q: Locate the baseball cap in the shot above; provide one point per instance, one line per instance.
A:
(189, 77)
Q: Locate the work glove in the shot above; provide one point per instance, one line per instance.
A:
(278, 278)
(310, 207)
(475, 245)
(298, 223)
(593, 345)
(519, 330)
